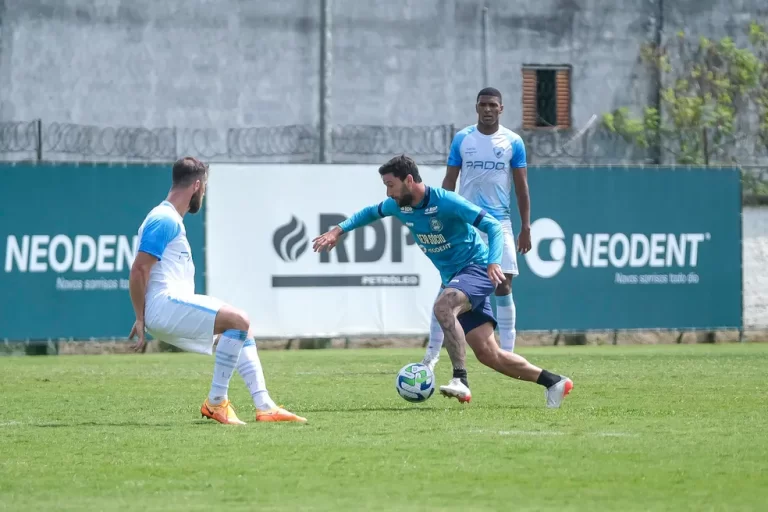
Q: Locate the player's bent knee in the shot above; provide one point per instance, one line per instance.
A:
(444, 313)
(229, 317)
(504, 288)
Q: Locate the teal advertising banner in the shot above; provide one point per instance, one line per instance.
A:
(68, 238)
(631, 248)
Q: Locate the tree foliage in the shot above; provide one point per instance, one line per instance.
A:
(705, 86)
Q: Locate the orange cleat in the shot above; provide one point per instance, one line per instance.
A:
(279, 414)
(224, 413)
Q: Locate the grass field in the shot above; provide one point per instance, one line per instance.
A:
(645, 428)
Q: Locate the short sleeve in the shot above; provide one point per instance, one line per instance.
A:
(454, 157)
(519, 158)
(157, 234)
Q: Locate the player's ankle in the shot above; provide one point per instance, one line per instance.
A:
(461, 374)
(548, 379)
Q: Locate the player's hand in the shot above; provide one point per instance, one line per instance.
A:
(524, 240)
(138, 331)
(495, 274)
(327, 240)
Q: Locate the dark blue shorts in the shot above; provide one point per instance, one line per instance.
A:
(474, 282)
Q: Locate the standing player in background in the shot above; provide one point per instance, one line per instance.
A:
(490, 159)
(443, 224)
(162, 290)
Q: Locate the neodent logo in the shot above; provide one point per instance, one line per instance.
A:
(60, 253)
(549, 251)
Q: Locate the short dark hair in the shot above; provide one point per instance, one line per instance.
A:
(401, 166)
(187, 170)
(489, 91)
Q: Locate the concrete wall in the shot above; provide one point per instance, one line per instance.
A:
(755, 247)
(233, 63)
(198, 63)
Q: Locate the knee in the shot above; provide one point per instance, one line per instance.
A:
(241, 321)
(233, 318)
(443, 313)
(504, 288)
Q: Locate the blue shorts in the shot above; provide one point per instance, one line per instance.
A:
(474, 282)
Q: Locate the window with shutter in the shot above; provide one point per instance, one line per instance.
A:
(546, 97)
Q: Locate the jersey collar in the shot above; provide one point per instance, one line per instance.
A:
(425, 200)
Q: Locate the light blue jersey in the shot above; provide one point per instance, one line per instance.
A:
(442, 225)
(486, 163)
(163, 235)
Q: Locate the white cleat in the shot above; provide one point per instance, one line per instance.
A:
(557, 393)
(431, 362)
(456, 389)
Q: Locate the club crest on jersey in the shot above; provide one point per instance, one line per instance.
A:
(435, 224)
(498, 151)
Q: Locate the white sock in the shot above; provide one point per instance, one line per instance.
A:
(227, 352)
(249, 368)
(505, 313)
(436, 337)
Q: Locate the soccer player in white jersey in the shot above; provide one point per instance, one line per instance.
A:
(162, 290)
(490, 158)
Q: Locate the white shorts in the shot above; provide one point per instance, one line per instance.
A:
(509, 254)
(185, 322)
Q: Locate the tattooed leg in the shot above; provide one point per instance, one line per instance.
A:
(449, 305)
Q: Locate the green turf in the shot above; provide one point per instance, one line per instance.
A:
(646, 428)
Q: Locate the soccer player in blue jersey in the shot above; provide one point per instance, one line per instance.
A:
(162, 291)
(491, 158)
(443, 225)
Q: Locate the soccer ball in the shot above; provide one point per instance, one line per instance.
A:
(415, 382)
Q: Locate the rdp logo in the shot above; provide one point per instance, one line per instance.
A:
(369, 244)
(290, 240)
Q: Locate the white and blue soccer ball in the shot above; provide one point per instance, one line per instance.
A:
(415, 382)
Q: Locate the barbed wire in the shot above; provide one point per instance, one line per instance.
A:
(101, 142)
(391, 140)
(351, 143)
(18, 137)
(273, 141)
(596, 145)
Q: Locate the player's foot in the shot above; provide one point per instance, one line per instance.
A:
(279, 414)
(223, 413)
(456, 389)
(557, 393)
(431, 362)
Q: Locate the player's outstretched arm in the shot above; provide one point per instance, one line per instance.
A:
(367, 215)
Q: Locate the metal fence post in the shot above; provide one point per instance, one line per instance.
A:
(326, 62)
(39, 124)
